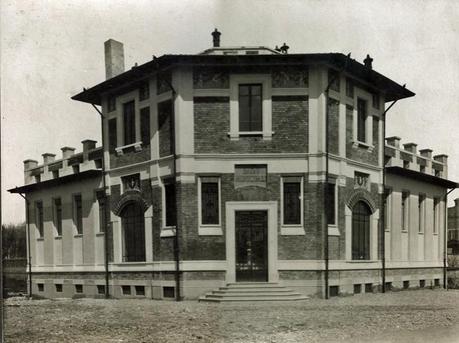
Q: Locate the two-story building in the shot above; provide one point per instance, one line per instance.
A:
(248, 169)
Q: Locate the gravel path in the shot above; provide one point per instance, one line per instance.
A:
(409, 316)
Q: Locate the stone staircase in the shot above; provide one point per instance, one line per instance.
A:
(252, 291)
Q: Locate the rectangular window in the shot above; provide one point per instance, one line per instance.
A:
(291, 201)
(422, 169)
(361, 120)
(168, 292)
(78, 288)
(334, 80)
(422, 283)
(139, 290)
(331, 204)
(41, 287)
(170, 210)
(129, 122)
(406, 284)
(334, 291)
(58, 216)
(126, 290)
(375, 101)
(349, 88)
(112, 135)
(101, 203)
(406, 164)
(166, 128)
(55, 174)
(145, 125)
(144, 91)
(357, 289)
(111, 104)
(78, 213)
(58, 287)
(210, 201)
(100, 289)
(250, 108)
(40, 224)
(387, 208)
(421, 212)
(405, 211)
(368, 288)
(436, 217)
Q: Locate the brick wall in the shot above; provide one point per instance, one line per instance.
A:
(289, 123)
(130, 156)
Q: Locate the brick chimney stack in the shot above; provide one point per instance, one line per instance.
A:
(393, 141)
(411, 147)
(426, 153)
(30, 164)
(67, 152)
(88, 144)
(114, 58)
(48, 158)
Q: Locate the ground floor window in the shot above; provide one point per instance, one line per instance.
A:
(132, 219)
(361, 231)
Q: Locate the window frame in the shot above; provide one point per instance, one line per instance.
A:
(388, 209)
(133, 127)
(266, 105)
(292, 229)
(421, 213)
(335, 203)
(56, 222)
(363, 125)
(145, 130)
(167, 230)
(250, 109)
(75, 219)
(209, 229)
(436, 215)
(405, 210)
(40, 219)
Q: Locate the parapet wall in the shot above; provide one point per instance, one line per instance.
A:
(70, 163)
(409, 158)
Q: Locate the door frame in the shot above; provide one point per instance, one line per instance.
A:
(271, 207)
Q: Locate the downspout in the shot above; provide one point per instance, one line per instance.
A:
(445, 242)
(106, 204)
(29, 255)
(326, 243)
(383, 202)
(176, 236)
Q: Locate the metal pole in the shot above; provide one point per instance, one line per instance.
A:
(445, 242)
(106, 204)
(29, 255)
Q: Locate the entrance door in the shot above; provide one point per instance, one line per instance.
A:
(251, 246)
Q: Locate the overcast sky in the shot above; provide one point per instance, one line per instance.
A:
(50, 50)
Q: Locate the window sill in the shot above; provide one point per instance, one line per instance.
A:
(362, 261)
(137, 147)
(359, 144)
(40, 239)
(435, 233)
(420, 233)
(210, 231)
(168, 231)
(333, 230)
(78, 235)
(236, 135)
(99, 234)
(293, 230)
(58, 237)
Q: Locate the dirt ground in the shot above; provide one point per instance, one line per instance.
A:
(408, 316)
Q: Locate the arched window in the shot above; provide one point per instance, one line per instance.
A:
(361, 231)
(132, 220)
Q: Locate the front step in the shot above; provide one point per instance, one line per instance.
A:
(252, 291)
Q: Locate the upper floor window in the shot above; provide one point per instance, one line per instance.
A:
(112, 135)
(405, 210)
(331, 203)
(170, 218)
(387, 208)
(421, 212)
(145, 125)
(361, 120)
(292, 202)
(78, 213)
(436, 217)
(58, 216)
(129, 122)
(101, 204)
(349, 88)
(375, 101)
(250, 107)
(39, 217)
(144, 91)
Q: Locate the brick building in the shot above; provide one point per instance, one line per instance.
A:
(233, 166)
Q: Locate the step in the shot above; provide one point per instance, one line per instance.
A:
(283, 298)
(253, 285)
(252, 295)
(252, 290)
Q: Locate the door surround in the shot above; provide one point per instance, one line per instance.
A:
(231, 207)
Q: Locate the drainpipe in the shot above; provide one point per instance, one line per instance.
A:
(106, 204)
(29, 256)
(325, 211)
(383, 202)
(445, 241)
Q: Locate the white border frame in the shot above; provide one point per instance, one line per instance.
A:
(235, 81)
(231, 208)
(292, 229)
(210, 229)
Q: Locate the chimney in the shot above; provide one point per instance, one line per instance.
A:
(30, 164)
(411, 147)
(114, 58)
(441, 158)
(88, 144)
(368, 62)
(393, 141)
(67, 152)
(426, 153)
(216, 38)
(48, 157)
